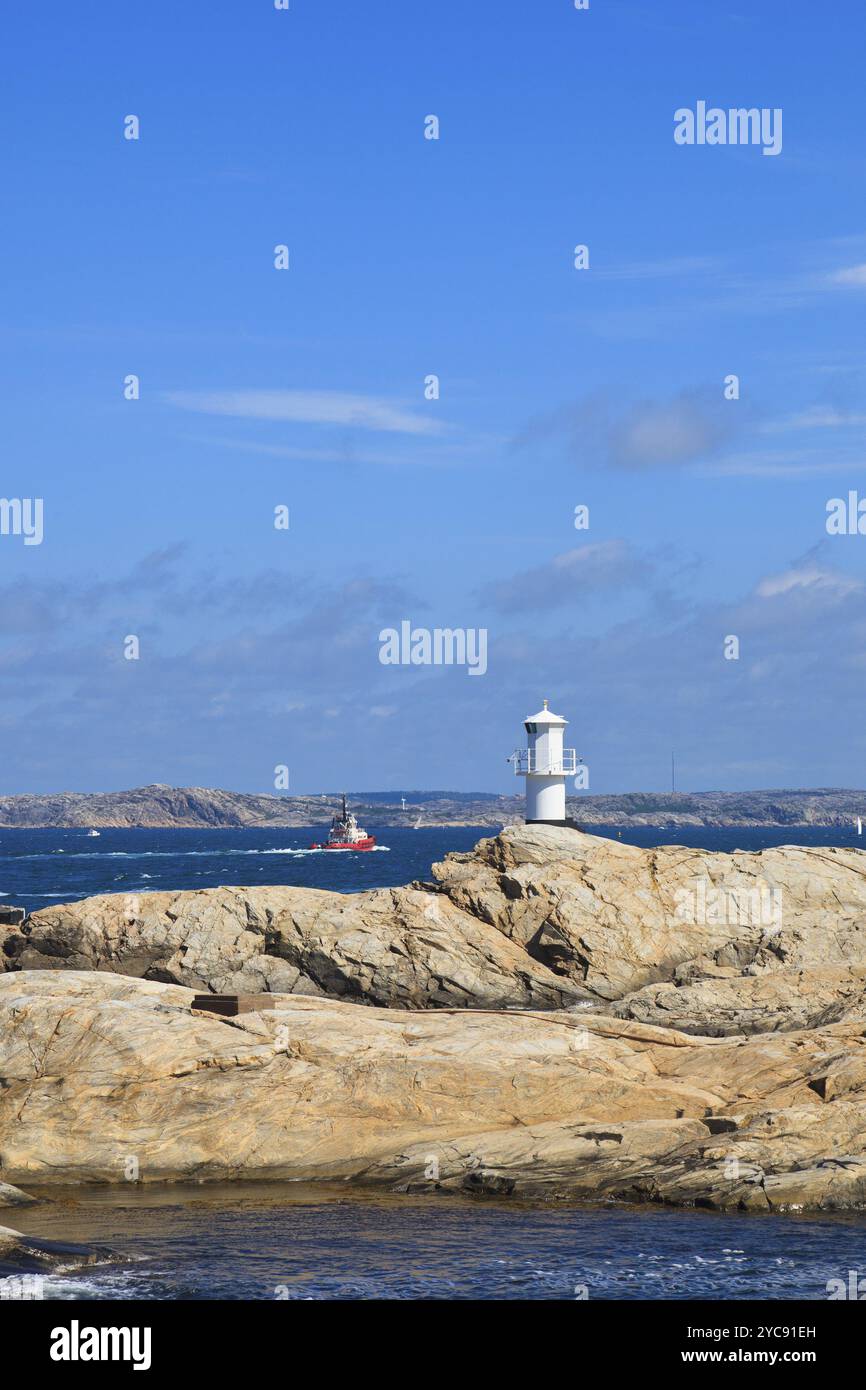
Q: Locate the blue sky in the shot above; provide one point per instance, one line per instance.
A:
(305, 387)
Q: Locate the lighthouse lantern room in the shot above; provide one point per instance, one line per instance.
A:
(545, 764)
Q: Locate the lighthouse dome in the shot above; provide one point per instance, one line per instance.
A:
(546, 718)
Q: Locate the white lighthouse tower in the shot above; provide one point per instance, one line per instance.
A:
(545, 764)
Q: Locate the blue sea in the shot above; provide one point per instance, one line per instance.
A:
(40, 867)
(255, 1241)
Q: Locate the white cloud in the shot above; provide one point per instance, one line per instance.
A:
(678, 267)
(808, 576)
(770, 463)
(387, 452)
(853, 275)
(817, 417)
(308, 408)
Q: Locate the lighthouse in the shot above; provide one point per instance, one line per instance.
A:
(545, 764)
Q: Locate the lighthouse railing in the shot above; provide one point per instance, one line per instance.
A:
(526, 760)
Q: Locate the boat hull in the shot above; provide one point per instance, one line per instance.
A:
(367, 843)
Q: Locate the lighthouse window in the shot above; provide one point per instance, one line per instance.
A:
(532, 728)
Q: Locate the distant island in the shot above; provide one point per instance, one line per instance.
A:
(201, 807)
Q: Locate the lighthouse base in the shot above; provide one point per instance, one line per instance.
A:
(567, 823)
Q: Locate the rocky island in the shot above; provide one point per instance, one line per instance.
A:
(556, 1015)
(160, 806)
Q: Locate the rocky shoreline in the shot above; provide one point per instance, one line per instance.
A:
(555, 1016)
(24, 1258)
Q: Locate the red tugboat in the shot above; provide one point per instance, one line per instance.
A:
(345, 833)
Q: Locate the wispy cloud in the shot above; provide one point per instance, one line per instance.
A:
(817, 417)
(671, 293)
(784, 463)
(852, 276)
(675, 267)
(309, 408)
(452, 451)
(596, 568)
(809, 576)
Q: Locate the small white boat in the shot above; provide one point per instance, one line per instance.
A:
(859, 825)
(93, 834)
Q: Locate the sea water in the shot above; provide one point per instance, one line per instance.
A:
(288, 1242)
(41, 867)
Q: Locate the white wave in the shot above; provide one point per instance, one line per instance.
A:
(167, 853)
(310, 851)
(194, 853)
